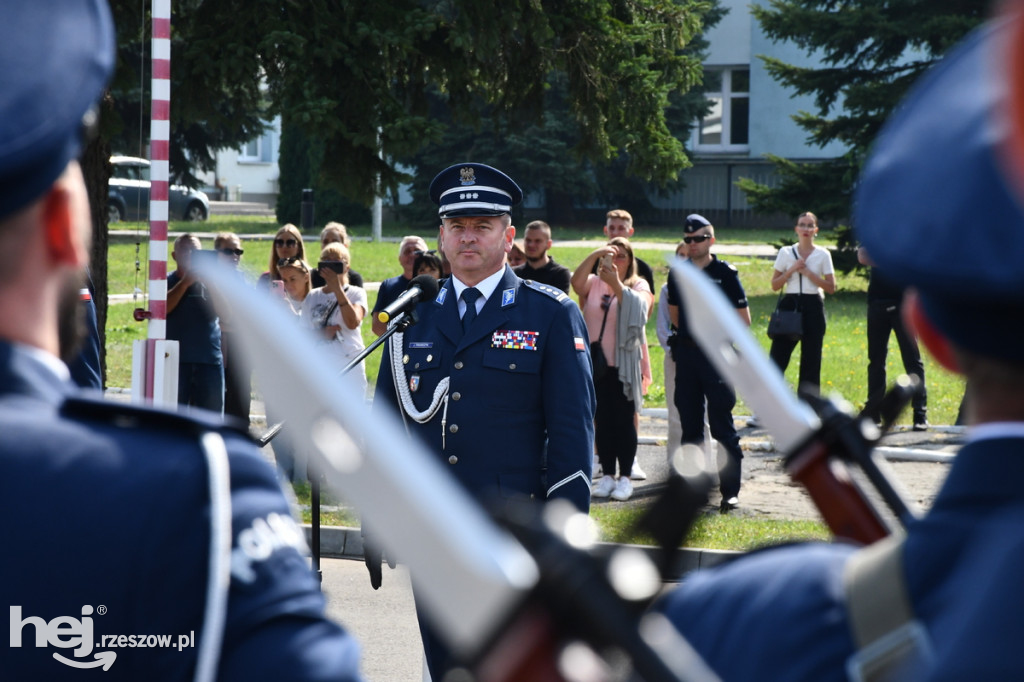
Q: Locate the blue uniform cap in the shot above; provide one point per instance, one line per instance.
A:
(940, 203)
(473, 189)
(694, 222)
(55, 60)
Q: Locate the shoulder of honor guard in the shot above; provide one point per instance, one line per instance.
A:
(127, 415)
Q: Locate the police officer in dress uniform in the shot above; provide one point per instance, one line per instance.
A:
(496, 376)
(697, 381)
(138, 544)
(950, 163)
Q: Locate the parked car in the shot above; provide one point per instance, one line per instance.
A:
(128, 195)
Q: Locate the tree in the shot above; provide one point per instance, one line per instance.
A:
(350, 73)
(359, 78)
(299, 162)
(545, 155)
(871, 52)
(216, 102)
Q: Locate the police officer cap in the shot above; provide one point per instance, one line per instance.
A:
(56, 57)
(694, 222)
(940, 204)
(473, 189)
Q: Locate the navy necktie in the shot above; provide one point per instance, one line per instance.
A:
(469, 296)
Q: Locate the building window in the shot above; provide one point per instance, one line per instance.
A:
(726, 126)
(259, 150)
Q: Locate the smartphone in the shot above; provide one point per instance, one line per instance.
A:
(335, 265)
(606, 261)
(277, 288)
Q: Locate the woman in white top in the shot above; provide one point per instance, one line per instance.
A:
(336, 310)
(807, 273)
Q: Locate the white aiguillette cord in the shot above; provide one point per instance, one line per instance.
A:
(405, 395)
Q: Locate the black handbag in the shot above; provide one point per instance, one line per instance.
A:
(787, 324)
(597, 357)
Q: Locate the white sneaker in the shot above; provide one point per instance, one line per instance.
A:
(604, 487)
(623, 489)
(636, 473)
(596, 469)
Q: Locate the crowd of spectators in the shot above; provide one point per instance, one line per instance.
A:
(615, 292)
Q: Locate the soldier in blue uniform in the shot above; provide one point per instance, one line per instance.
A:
(698, 383)
(496, 376)
(950, 165)
(138, 544)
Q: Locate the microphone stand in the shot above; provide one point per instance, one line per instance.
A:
(399, 324)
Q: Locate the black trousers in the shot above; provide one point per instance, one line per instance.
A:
(813, 309)
(697, 381)
(614, 428)
(237, 383)
(883, 319)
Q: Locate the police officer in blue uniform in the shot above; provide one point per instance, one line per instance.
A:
(138, 544)
(950, 164)
(697, 381)
(496, 377)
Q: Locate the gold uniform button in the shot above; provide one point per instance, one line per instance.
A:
(453, 460)
(416, 366)
(456, 396)
(405, 359)
(458, 365)
(454, 428)
(429, 358)
(512, 365)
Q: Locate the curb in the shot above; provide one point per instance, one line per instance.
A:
(341, 542)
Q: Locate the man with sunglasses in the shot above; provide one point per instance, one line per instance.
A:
(193, 323)
(697, 381)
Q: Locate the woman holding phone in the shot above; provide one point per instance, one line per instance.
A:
(336, 310)
(613, 300)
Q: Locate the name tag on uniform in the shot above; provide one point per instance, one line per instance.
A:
(514, 339)
(421, 344)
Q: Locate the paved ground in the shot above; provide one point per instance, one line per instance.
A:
(768, 492)
(384, 621)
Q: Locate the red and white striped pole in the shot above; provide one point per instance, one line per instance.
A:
(159, 170)
(156, 371)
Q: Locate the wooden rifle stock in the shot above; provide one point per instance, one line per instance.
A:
(841, 502)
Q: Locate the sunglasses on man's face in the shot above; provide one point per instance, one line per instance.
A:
(232, 252)
(697, 239)
(285, 242)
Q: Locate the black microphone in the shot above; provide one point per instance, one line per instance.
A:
(420, 289)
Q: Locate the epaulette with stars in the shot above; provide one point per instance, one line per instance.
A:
(553, 292)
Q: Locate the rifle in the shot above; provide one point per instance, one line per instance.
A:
(822, 440)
